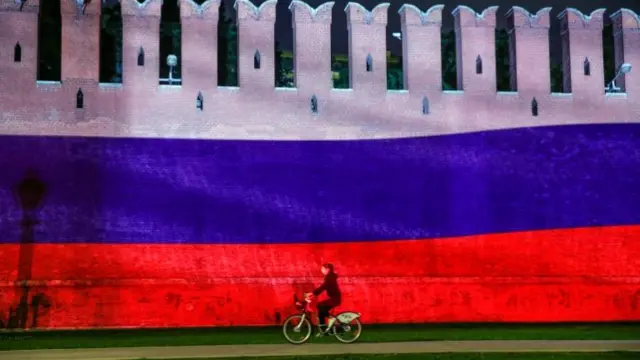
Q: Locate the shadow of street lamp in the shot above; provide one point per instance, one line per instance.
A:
(29, 193)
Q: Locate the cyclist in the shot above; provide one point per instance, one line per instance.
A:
(330, 285)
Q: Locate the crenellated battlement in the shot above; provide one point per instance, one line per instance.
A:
(626, 19)
(198, 108)
(148, 8)
(520, 17)
(574, 19)
(412, 16)
(304, 13)
(206, 11)
(359, 15)
(467, 17)
(246, 10)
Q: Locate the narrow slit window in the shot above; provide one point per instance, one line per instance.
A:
(587, 67)
(478, 65)
(79, 99)
(314, 104)
(17, 53)
(369, 63)
(200, 102)
(425, 106)
(256, 60)
(534, 107)
(141, 57)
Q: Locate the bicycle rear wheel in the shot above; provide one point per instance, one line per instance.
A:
(348, 333)
(296, 325)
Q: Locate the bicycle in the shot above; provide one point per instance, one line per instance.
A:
(340, 326)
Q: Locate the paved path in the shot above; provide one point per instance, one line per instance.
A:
(199, 352)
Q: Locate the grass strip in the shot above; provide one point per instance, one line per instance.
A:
(614, 355)
(71, 339)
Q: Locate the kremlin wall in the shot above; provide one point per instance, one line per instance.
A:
(141, 107)
(148, 205)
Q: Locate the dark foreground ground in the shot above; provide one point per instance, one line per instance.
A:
(273, 335)
(474, 356)
(453, 350)
(468, 356)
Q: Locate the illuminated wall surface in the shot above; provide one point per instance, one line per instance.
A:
(518, 225)
(434, 206)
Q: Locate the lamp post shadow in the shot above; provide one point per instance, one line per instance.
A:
(29, 193)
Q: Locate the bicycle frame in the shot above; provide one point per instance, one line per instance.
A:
(307, 310)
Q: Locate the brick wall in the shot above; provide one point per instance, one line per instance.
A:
(140, 107)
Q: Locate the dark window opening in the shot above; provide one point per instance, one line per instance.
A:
(17, 53)
(478, 65)
(587, 67)
(79, 99)
(425, 106)
(256, 60)
(141, 57)
(200, 102)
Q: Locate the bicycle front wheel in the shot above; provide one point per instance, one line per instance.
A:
(296, 329)
(348, 333)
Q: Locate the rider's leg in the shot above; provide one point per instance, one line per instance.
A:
(333, 321)
(323, 312)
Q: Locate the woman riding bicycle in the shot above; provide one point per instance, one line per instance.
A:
(330, 285)
(346, 326)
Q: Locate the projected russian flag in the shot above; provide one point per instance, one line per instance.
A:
(535, 224)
